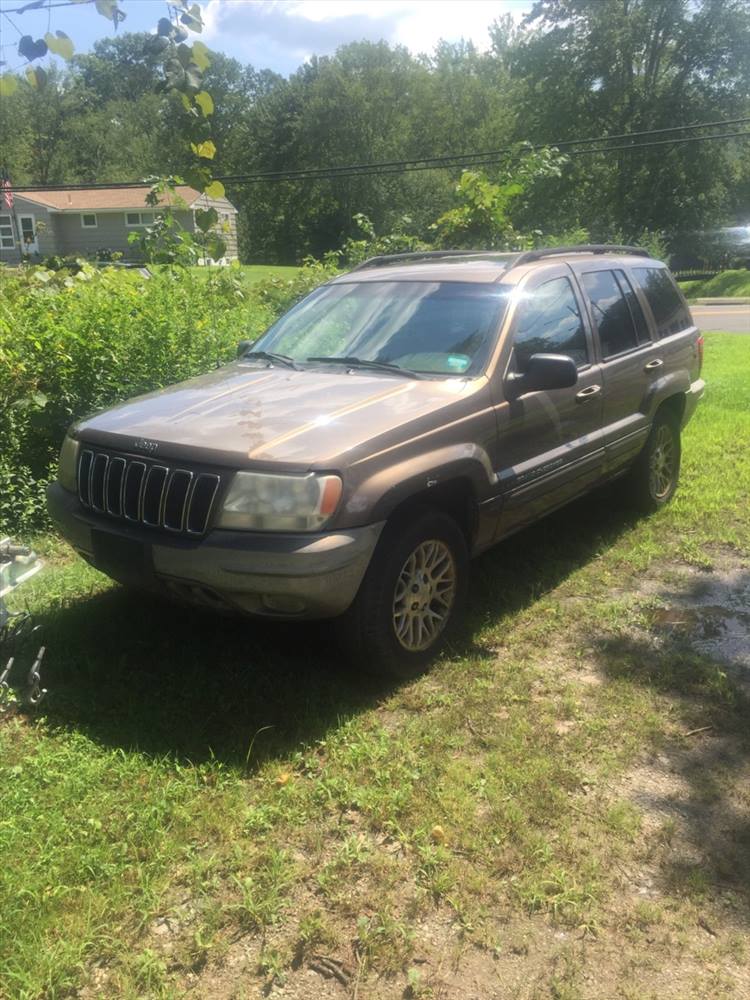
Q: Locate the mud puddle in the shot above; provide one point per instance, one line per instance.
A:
(710, 610)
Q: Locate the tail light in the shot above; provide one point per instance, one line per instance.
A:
(699, 345)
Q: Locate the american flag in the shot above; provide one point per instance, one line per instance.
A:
(7, 192)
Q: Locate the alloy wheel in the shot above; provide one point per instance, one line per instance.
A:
(424, 595)
(661, 464)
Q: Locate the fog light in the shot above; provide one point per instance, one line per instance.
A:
(283, 605)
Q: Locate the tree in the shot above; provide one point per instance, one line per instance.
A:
(483, 217)
(620, 66)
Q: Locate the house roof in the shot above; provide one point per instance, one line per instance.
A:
(91, 199)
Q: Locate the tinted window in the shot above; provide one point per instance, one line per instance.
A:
(550, 323)
(445, 328)
(668, 308)
(639, 320)
(611, 313)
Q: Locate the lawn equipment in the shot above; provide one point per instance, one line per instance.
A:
(17, 565)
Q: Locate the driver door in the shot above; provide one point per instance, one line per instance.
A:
(550, 442)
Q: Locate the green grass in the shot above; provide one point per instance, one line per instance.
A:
(240, 781)
(727, 284)
(260, 272)
(251, 274)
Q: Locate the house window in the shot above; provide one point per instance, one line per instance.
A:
(88, 221)
(7, 242)
(28, 235)
(133, 219)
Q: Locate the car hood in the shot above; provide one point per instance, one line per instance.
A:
(245, 415)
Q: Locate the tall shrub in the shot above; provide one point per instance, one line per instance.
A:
(70, 345)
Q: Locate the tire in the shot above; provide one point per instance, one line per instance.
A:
(654, 477)
(384, 633)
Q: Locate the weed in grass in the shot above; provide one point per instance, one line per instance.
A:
(383, 942)
(273, 966)
(416, 988)
(624, 819)
(150, 970)
(555, 890)
(314, 932)
(434, 872)
(647, 913)
(263, 893)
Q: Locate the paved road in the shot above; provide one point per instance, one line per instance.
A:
(734, 319)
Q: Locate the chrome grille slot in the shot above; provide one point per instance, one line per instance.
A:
(132, 490)
(147, 493)
(96, 482)
(152, 494)
(175, 500)
(84, 470)
(113, 486)
(200, 504)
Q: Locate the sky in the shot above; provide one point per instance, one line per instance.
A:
(276, 34)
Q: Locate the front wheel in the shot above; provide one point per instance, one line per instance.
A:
(411, 595)
(654, 477)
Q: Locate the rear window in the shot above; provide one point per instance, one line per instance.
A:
(670, 312)
(611, 312)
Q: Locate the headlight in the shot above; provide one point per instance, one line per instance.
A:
(68, 465)
(257, 501)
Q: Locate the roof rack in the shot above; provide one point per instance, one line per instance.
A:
(385, 259)
(531, 255)
(513, 259)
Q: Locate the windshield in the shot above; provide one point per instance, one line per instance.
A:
(439, 328)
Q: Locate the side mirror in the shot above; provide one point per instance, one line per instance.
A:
(544, 372)
(243, 347)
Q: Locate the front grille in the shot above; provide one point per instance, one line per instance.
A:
(147, 493)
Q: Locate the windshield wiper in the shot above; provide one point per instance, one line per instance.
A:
(352, 362)
(281, 359)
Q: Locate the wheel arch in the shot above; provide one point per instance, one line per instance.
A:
(673, 406)
(456, 497)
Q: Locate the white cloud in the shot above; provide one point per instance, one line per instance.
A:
(282, 33)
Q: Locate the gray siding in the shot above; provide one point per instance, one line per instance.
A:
(44, 221)
(111, 233)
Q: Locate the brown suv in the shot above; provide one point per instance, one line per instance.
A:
(396, 422)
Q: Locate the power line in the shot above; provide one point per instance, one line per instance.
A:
(487, 161)
(435, 163)
(466, 157)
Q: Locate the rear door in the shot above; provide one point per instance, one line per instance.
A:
(550, 442)
(628, 357)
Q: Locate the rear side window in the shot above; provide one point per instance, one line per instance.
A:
(668, 308)
(549, 322)
(611, 311)
(639, 320)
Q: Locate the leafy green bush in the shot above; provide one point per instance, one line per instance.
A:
(70, 345)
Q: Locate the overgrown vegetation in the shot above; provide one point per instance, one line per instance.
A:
(203, 804)
(74, 343)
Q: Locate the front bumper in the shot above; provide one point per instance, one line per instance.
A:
(692, 397)
(261, 573)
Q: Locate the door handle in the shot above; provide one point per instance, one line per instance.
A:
(656, 363)
(588, 393)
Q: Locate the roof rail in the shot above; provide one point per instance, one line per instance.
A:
(532, 255)
(384, 259)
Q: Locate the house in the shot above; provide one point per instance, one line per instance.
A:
(84, 222)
